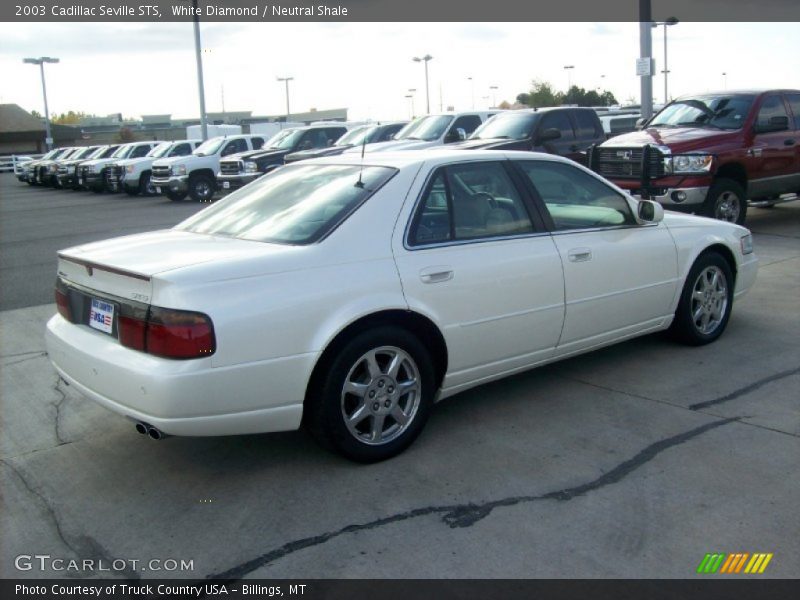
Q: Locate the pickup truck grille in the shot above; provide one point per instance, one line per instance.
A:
(231, 167)
(161, 172)
(627, 163)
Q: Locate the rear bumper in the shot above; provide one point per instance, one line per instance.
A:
(180, 397)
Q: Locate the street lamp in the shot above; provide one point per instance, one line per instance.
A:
(425, 59)
(568, 69)
(472, 84)
(48, 141)
(286, 80)
(724, 81)
(198, 53)
(668, 23)
(494, 97)
(411, 105)
(411, 92)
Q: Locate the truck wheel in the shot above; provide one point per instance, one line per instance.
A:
(201, 187)
(175, 196)
(145, 187)
(726, 201)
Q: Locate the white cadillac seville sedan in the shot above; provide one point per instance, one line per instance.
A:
(349, 295)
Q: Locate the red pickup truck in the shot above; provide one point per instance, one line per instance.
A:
(710, 153)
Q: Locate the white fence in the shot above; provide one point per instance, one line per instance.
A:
(13, 162)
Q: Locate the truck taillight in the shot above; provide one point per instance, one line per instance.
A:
(62, 303)
(168, 333)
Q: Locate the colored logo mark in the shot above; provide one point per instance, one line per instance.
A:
(740, 562)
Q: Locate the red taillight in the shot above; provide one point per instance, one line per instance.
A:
(179, 334)
(169, 333)
(62, 302)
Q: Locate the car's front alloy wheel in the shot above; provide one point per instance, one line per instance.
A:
(371, 395)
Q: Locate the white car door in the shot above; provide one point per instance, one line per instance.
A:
(475, 259)
(620, 277)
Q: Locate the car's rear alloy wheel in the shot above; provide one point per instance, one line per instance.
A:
(372, 395)
(706, 299)
(380, 396)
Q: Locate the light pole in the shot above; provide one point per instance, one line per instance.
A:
(724, 80)
(494, 97)
(48, 141)
(425, 59)
(199, 59)
(410, 105)
(568, 69)
(601, 89)
(411, 92)
(286, 80)
(646, 53)
(669, 22)
(472, 85)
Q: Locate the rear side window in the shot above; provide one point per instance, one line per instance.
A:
(772, 106)
(794, 104)
(468, 202)
(575, 199)
(558, 120)
(587, 125)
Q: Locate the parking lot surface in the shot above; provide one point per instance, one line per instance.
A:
(633, 461)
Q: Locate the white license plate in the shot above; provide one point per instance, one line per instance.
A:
(226, 185)
(101, 316)
(158, 189)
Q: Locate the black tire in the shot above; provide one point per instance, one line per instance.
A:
(685, 326)
(98, 189)
(175, 196)
(145, 187)
(131, 191)
(726, 201)
(327, 404)
(202, 187)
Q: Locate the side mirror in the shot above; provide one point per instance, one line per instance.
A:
(649, 212)
(774, 124)
(548, 135)
(640, 123)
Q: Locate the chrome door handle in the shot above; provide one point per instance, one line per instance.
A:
(789, 142)
(436, 274)
(580, 255)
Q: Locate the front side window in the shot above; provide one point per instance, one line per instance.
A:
(772, 106)
(467, 202)
(181, 150)
(575, 199)
(296, 204)
(468, 123)
(257, 142)
(587, 124)
(794, 103)
(140, 151)
(558, 120)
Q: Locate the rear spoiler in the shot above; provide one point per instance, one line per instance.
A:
(91, 266)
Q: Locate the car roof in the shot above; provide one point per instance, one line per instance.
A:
(438, 155)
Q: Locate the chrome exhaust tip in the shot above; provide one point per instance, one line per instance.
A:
(141, 427)
(156, 434)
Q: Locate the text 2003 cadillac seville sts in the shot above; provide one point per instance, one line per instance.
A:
(351, 296)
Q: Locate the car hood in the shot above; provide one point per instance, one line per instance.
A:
(98, 161)
(172, 160)
(319, 152)
(124, 162)
(679, 139)
(267, 154)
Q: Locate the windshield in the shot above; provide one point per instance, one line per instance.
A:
(122, 152)
(356, 136)
(98, 152)
(723, 112)
(292, 205)
(209, 146)
(270, 143)
(508, 126)
(51, 154)
(84, 153)
(409, 128)
(429, 128)
(160, 150)
(288, 141)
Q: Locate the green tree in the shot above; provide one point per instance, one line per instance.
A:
(69, 118)
(36, 113)
(541, 94)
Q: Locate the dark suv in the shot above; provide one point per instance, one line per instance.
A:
(566, 131)
(365, 135)
(240, 169)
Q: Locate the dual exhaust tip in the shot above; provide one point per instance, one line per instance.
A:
(150, 431)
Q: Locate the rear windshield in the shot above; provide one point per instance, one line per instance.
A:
(296, 204)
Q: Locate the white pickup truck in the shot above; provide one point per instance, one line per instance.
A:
(132, 175)
(92, 173)
(432, 130)
(196, 173)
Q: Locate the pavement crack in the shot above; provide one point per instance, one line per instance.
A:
(745, 390)
(466, 515)
(57, 405)
(45, 504)
(22, 360)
